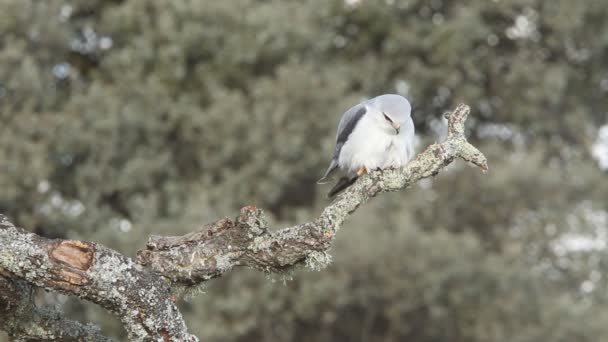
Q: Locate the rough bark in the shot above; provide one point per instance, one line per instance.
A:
(20, 317)
(141, 299)
(140, 292)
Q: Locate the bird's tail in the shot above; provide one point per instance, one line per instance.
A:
(342, 184)
(327, 176)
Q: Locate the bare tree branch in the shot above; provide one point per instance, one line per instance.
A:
(21, 318)
(140, 298)
(246, 241)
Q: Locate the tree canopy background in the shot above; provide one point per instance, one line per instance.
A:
(125, 118)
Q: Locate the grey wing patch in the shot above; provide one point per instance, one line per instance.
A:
(348, 123)
(346, 126)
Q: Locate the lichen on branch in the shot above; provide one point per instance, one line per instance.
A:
(246, 241)
(21, 317)
(141, 299)
(142, 292)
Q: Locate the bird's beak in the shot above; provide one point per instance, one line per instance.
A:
(397, 127)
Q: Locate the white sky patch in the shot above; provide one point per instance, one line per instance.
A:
(599, 150)
(73, 208)
(56, 202)
(65, 12)
(123, 225)
(89, 41)
(501, 131)
(590, 228)
(105, 43)
(587, 286)
(43, 186)
(340, 41)
(524, 26)
(580, 243)
(505, 132)
(402, 87)
(61, 70)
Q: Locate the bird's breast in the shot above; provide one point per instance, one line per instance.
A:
(372, 147)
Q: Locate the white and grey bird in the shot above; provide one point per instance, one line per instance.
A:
(375, 134)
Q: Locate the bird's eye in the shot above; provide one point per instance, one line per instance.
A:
(387, 118)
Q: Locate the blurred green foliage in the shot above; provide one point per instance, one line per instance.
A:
(124, 118)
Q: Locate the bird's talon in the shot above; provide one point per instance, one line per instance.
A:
(361, 171)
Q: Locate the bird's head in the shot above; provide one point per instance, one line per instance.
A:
(391, 112)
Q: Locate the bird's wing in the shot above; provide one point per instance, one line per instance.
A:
(347, 125)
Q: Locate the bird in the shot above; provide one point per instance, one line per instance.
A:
(375, 134)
